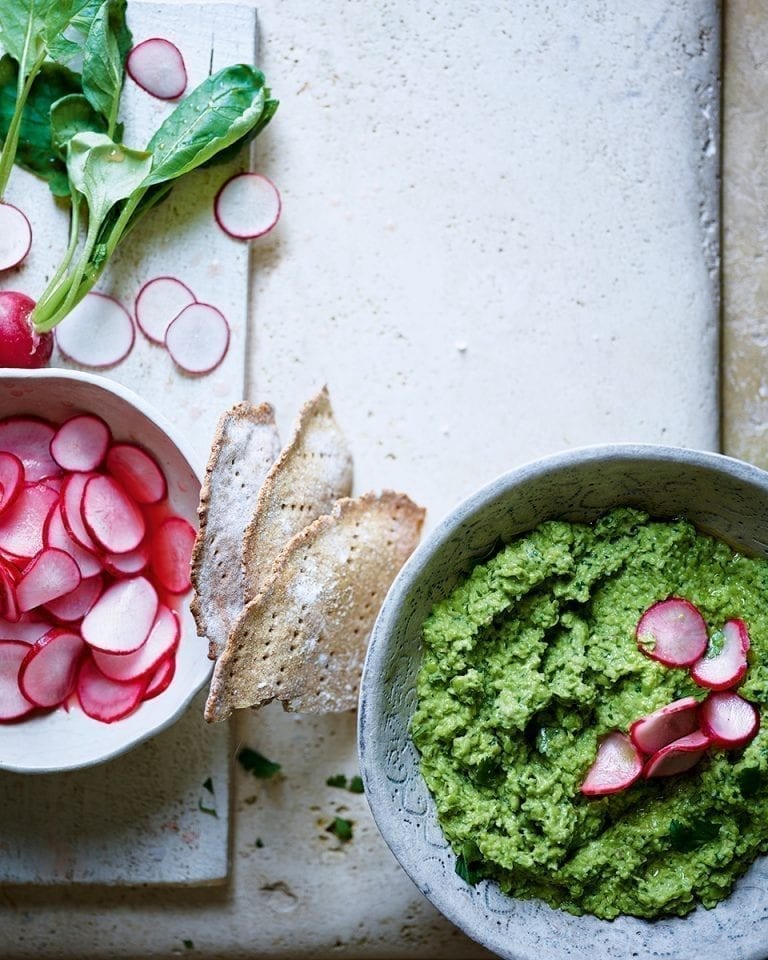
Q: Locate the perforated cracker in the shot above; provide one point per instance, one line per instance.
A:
(245, 446)
(303, 639)
(312, 472)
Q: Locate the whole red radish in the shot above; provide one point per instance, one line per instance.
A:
(20, 346)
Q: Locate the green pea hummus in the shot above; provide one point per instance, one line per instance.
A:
(530, 661)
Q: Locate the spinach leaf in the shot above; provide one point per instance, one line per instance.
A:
(31, 28)
(71, 115)
(106, 47)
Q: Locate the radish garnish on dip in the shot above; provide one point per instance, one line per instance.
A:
(725, 661)
(728, 719)
(678, 756)
(617, 765)
(673, 632)
(665, 725)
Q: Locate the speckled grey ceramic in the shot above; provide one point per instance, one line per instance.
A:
(722, 496)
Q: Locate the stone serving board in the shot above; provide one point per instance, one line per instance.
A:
(159, 814)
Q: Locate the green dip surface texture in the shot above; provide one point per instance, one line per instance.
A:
(530, 661)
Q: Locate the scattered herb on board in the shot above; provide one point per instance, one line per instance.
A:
(258, 843)
(189, 944)
(341, 828)
(256, 763)
(339, 780)
(203, 807)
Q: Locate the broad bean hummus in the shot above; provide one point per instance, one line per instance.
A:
(531, 661)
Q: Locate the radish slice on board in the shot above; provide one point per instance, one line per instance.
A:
(171, 554)
(74, 605)
(15, 236)
(161, 678)
(158, 67)
(111, 517)
(120, 620)
(725, 661)
(56, 535)
(247, 206)
(27, 628)
(49, 670)
(728, 719)
(97, 333)
(162, 641)
(51, 574)
(29, 439)
(673, 632)
(669, 723)
(137, 472)
(198, 338)
(678, 756)
(22, 524)
(81, 443)
(158, 302)
(13, 703)
(11, 478)
(104, 699)
(617, 765)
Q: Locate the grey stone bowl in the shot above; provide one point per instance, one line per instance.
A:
(722, 496)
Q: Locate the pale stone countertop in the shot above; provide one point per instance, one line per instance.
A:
(499, 239)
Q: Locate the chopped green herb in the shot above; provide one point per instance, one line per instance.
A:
(685, 837)
(189, 944)
(259, 843)
(467, 870)
(211, 811)
(208, 785)
(256, 763)
(337, 781)
(341, 828)
(356, 785)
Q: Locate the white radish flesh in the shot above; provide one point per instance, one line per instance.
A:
(127, 564)
(247, 206)
(137, 472)
(198, 338)
(617, 766)
(157, 66)
(13, 703)
(728, 719)
(111, 517)
(663, 726)
(81, 443)
(158, 303)
(678, 756)
(161, 678)
(104, 699)
(171, 554)
(11, 478)
(51, 574)
(724, 663)
(15, 236)
(673, 632)
(75, 605)
(97, 333)
(27, 628)
(22, 524)
(162, 641)
(29, 439)
(120, 620)
(48, 673)
(56, 535)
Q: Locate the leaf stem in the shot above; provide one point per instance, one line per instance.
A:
(8, 154)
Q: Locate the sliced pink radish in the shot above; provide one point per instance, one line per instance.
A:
(13, 703)
(673, 632)
(160, 301)
(49, 670)
(247, 206)
(171, 554)
(104, 699)
(11, 478)
(617, 765)
(56, 535)
(27, 628)
(198, 338)
(9, 603)
(725, 660)
(161, 678)
(51, 574)
(74, 605)
(111, 517)
(71, 504)
(29, 439)
(671, 722)
(98, 333)
(81, 443)
(162, 641)
(158, 67)
(137, 472)
(728, 719)
(127, 564)
(22, 524)
(678, 756)
(120, 620)
(15, 236)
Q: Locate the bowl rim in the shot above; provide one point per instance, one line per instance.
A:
(371, 696)
(197, 468)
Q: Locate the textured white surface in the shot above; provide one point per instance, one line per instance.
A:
(497, 241)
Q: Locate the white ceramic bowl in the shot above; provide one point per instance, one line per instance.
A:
(59, 740)
(720, 495)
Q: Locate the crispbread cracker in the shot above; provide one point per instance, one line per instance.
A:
(303, 639)
(312, 472)
(245, 446)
